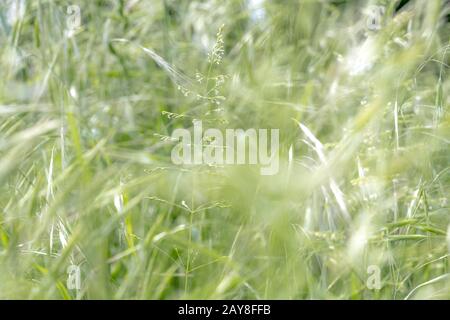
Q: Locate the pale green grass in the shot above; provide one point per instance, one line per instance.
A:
(86, 176)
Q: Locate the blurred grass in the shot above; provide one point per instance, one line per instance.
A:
(85, 171)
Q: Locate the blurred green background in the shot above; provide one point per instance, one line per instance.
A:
(358, 89)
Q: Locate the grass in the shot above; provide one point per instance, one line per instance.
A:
(86, 177)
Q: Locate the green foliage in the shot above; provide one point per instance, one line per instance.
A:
(86, 177)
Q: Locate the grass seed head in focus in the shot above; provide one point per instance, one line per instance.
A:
(88, 104)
